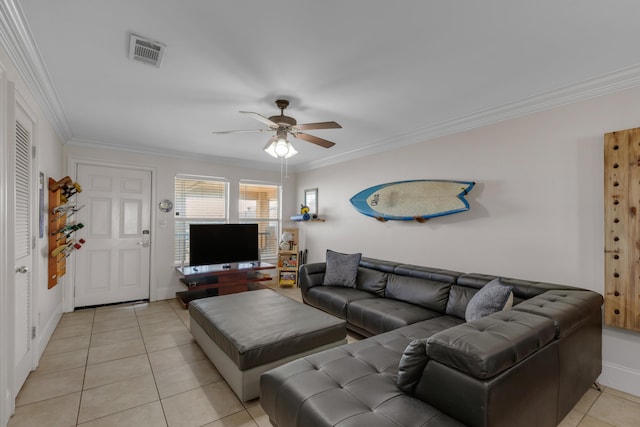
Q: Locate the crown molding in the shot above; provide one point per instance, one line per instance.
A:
(17, 40)
(175, 154)
(605, 84)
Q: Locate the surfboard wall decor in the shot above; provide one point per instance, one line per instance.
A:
(416, 200)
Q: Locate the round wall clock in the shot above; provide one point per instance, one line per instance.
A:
(166, 205)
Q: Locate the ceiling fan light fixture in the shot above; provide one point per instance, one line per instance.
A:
(282, 147)
(270, 149)
(278, 146)
(292, 151)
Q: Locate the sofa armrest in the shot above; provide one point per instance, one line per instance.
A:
(311, 275)
(568, 309)
(412, 363)
(488, 346)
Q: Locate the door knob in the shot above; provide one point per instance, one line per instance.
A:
(22, 269)
(145, 239)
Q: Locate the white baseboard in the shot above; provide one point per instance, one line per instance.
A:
(43, 335)
(165, 293)
(621, 378)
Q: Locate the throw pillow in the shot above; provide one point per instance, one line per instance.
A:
(493, 297)
(412, 363)
(342, 269)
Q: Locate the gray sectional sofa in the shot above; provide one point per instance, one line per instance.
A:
(423, 364)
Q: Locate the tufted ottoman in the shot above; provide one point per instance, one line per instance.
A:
(248, 333)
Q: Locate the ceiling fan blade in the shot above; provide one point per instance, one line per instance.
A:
(241, 131)
(261, 118)
(314, 140)
(319, 125)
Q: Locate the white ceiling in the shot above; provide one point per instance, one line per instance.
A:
(391, 73)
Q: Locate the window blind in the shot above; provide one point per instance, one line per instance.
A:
(260, 203)
(198, 200)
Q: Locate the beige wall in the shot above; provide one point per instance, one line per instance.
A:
(164, 279)
(536, 211)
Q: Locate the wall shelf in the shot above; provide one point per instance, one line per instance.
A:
(298, 218)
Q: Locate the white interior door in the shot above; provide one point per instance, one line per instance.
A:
(22, 243)
(113, 263)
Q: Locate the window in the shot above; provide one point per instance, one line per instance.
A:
(260, 203)
(201, 200)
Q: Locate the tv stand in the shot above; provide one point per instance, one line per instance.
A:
(220, 279)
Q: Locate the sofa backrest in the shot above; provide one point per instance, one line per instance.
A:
(444, 291)
(430, 294)
(424, 286)
(468, 284)
(371, 280)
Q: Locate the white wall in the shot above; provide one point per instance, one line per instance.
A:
(536, 210)
(164, 278)
(46, 303)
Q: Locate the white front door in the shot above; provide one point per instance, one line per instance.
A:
(112, 265)
(20, 154)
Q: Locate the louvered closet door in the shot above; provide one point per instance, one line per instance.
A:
(22, 220)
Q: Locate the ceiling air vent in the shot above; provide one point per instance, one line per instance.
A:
(145, 50)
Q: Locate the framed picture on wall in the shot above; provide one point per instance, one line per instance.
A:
(311, 200)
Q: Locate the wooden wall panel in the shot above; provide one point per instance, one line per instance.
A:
(622, 230)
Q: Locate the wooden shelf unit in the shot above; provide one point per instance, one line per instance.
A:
(60, 244)
(57, 264)
(622, 232)
(288, 260)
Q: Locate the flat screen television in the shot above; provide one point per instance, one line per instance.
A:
(223, 243)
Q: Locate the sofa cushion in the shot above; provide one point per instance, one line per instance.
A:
(351, 385)
(429, 294)
(412, 363)
(491, 298)
(342, 269)
(378, 315)
(373, 281)
(459, 297)
(334, 299)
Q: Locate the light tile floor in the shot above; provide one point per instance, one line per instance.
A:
(137, 365)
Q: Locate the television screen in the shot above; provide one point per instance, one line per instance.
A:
(222, 243)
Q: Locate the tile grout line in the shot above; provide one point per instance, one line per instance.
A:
(86, 363)
(153, 375)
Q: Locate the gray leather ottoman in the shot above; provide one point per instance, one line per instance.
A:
(248, 333)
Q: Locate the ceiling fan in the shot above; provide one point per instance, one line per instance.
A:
(278, 145)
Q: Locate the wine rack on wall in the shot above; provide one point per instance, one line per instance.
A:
(61, 239)
(622, 229)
